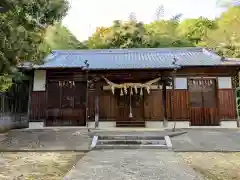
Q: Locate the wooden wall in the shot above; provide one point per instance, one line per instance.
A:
(38, 105)
(227, 104)
(177, 105)
(177, 100)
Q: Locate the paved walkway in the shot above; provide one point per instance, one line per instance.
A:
(226, 140)
(46, 140)
(131, 165)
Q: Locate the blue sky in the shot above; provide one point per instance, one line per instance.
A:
(85, 16)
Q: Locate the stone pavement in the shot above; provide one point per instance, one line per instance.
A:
(2, 136)
(132, 164)
(223, 140)
(56, 139)
(132, 132)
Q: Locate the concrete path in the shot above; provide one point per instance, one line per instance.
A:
(131, 165)
(46, 140)
(225, 140)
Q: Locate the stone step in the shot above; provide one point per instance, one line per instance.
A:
(130, 124)
(132, 142)
(130, 137)
(126, 146)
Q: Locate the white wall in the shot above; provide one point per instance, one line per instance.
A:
(180, 83)
(39, 81)
(224, 82)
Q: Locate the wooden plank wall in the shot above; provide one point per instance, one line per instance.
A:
(177, 105)
(38, 105)
(227, 104)
(107, 106)
(177, 101)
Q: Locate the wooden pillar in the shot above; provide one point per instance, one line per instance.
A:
(86, 101)
(164, 102)
(98, 90)
(30, 89)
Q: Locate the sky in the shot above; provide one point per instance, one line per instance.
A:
(84, 16)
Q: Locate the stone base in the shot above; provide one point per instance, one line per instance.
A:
(170, 124)
(10, 121)
(228, 124)
(36, 125)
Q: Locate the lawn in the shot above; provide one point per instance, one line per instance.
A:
(36, 166)
(215, 166)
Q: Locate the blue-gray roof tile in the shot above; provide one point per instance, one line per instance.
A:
(131, 58)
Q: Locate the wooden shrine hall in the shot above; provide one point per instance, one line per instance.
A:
(150, 88)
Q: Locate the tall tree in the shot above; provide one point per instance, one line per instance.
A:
(164, 33)
(159, 12)
(59, 37)
(226, 38)
(194, 30)
(129, 34)
(23, 28)
(97, 40)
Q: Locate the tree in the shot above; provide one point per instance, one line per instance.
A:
(59, 37)
(23, 28)
(226, 38)
(164, 33)
(194, 30)
(97, 40)
(129, 34)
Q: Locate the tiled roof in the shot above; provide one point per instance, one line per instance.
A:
(131, 58)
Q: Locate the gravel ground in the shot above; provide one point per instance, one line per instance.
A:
(36, 166)
(215, 166)
(132, 165)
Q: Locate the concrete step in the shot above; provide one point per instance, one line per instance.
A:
(130, 124)
(131, 142)
(130, 137)
(126, 146)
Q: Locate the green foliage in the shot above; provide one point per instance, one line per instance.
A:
(129, 34)
(226, 38)
(5, 82)
(221, 34)
(164, 33)
(22, 31)
(97, 40)
(195, 30)
(59, 37)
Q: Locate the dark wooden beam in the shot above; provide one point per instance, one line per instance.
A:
(164, 102)
(30, 95)
(98, 91)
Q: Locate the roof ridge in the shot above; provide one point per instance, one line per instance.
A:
(130, 50)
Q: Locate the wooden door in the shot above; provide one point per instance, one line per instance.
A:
(65, 103)
(203, 102)
(135, 102)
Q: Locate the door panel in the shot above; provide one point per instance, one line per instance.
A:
(66, 103)
(137, 104)
(203, 102)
